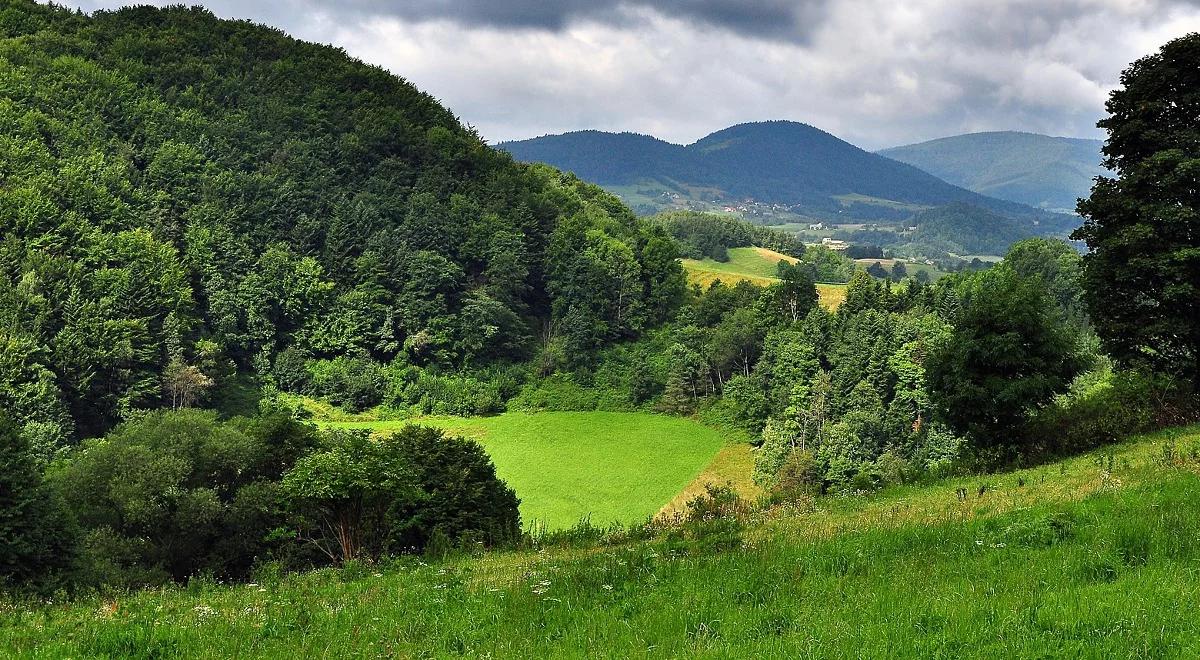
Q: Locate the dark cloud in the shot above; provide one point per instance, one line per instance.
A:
(763, 18)
(876, 72)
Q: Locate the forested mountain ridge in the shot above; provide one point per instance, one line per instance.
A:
(184, 198)
(1039, 170)
(776, 162)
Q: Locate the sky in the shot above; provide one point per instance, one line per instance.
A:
(878, 73)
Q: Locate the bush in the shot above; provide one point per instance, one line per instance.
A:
(363, 499)
(427, 393)
(177, 493)
(714, 521)
(558, 392)
(799, 477)
(1106, 406)
(463, 498)
(353, 383)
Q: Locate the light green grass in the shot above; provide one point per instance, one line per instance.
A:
(755, 265)
(755, 262)
(1087, 558)
(565, 466)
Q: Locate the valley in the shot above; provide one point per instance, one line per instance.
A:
(297, 359)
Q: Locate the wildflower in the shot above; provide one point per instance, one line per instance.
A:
(606, 587)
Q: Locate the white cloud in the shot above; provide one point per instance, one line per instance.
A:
(876, 72)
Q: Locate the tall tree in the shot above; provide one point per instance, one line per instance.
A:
(1142, 277)
(1010, 352)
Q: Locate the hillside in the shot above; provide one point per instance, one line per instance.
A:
(801, 168)
(1089, 557)
(200, 202)
(964, 229)
(1038, 170)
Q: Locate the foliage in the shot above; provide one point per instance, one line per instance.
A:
(348, 493)
(37, 542)
(1143, 268)
(463, 498)
(711, 235)
(174, 214)
(1009, 354)
(175, 494)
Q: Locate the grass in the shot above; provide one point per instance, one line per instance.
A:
(757, 266)
(1099, 560)
(565, 466)
(733, 466)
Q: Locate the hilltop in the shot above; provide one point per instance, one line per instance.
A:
(781, 165)
(1038, 170)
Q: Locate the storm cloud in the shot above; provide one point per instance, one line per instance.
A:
(876, 72)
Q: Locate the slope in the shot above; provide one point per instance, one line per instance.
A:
(178, 192)
(1038, 170)
(1089, 557)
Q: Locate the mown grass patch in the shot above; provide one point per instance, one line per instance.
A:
(566, 466)
(1109, 573)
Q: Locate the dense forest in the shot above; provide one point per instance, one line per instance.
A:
(193, 237)
(172, 210)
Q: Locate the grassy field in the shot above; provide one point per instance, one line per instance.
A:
(611, 467)
(1094, 557)
(757, 266)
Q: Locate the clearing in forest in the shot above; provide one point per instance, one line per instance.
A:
(566, 466)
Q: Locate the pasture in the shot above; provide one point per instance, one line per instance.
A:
(566, 466)
(755, 265)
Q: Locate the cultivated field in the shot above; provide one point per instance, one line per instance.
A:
(757, 266)
(566, 466)
(1093, 557)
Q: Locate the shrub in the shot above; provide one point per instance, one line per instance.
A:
(1108, 406)
(558, 392)
(714, 521)
(359, 498)
(427, 393)
(174, 494)
(799, 477)
(343, 495)
(353, 383)
(291, 370)
(748, 401)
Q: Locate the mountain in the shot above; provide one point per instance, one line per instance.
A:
(1038, 170)
(202, 202)
(777, 163)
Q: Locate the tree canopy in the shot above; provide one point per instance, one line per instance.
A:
(1142, 276)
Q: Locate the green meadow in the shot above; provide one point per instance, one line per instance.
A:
(1092, 557)
(566, 466)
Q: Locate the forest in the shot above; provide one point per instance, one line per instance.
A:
(193, 239)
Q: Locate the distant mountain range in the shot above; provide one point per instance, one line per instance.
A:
(1038, 170)
(770, 168)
